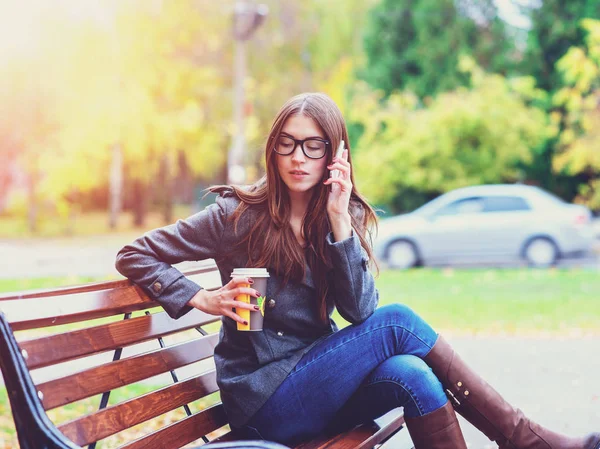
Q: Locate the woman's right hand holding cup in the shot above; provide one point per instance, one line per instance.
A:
(222, 301)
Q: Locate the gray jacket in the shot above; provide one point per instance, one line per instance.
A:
(250, 365)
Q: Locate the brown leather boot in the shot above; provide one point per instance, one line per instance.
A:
(436, 430)
(483, 407)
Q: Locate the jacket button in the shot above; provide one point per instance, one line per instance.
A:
(156, 287)
(280, 333)
(271, 303)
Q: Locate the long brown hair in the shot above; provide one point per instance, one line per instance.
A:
(271, 242)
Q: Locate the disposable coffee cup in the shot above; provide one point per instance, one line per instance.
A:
(253, 318)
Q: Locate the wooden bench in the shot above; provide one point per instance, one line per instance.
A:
(84, 359)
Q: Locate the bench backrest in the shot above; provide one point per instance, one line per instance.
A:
(84, 358)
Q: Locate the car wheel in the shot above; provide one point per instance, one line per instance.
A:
(401, 254)
(541, 252)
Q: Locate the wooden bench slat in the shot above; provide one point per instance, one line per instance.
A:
(41, 312)
(387, 431)
(183, 431)
(365, 436)
(92, 287)
(346, 440)
(67, 346)
(123, 372)
(114, 419)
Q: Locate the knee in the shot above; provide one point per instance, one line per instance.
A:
(396, 313)
(412, 370)
(415, 382)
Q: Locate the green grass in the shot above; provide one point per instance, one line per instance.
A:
(17, 285)
(499, 301)
(519, 301)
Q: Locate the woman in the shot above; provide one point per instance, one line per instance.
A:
(301, 375)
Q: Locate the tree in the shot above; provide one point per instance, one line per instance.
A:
(302, 46)
(415, 44)
(147, 101)
(578, 145)
(555, 28)
(463, 137)
(29, 104)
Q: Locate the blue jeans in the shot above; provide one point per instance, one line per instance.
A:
(353, 376)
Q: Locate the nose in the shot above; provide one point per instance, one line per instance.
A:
(298, 154)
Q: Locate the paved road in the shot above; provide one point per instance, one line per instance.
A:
(554, 381)
(61, 257)
(96, 256)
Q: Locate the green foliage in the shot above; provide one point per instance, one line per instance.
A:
(155, 79)
(555, 29)
(130, 80)
(415, 45)
(302, 46)
(579, 142)
(462, 137)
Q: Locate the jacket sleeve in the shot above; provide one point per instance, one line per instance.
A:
(147, 261)
(356, 297)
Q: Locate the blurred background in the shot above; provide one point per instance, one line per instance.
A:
(474, 127)
(116, 114)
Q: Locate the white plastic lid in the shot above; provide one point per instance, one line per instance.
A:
(250, 272)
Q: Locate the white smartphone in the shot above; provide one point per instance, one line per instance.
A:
(338, 154)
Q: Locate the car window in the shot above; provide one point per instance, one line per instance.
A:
(505, 204)
(462, 206)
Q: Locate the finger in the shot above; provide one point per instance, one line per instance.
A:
(244, 305)
(346, 185)
(234, 316)
(344, 170)
(341, 160)
(245, 291)
(339, 165)
(239, 280)
(339, 173)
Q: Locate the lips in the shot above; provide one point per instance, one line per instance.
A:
(298, 172)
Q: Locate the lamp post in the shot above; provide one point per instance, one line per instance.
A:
(247, 18)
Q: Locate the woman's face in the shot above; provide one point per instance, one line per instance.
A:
(298, 172)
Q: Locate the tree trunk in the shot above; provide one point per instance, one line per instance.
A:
(32, 215)
(73, 201)
(139, 204)
(168, 190)
(116, 185)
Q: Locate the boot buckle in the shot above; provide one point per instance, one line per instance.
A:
(455, 402)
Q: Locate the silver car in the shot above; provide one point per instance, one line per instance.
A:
(488, 223)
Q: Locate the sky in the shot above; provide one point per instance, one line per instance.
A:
(509, 11)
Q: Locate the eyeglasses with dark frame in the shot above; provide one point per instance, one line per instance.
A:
(312, 148)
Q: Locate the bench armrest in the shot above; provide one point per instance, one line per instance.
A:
(34, 428)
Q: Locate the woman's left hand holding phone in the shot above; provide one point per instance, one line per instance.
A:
(339, 197)
(222, 301)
